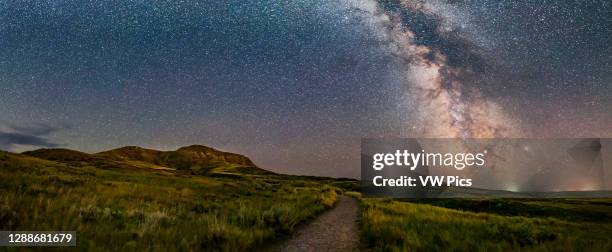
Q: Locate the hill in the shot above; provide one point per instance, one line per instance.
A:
(194, 159)
(114, 203)
(199, 152)
(132, 153)
(61, 155)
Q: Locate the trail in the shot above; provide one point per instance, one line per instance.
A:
(334, 230)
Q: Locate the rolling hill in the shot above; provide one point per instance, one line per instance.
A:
(60, 155)
(134, 199)
(194, 159)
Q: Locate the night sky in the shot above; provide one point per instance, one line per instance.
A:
(295, 85)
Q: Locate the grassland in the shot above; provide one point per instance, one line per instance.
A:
(197, 198)
(127, 207)
(487, 225)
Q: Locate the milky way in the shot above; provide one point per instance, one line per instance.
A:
(295, 85)
(444, 106)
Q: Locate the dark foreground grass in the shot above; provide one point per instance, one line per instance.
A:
(144, 210)
(575, 210)
(390, 225)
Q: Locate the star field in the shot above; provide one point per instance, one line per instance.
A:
(292, 84)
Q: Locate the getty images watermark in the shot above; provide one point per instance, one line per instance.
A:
(431, 168)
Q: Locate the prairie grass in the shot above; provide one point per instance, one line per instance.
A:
(391, 225)
(144, 210)
(356, 195)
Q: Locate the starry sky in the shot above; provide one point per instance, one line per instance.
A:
(296, 84)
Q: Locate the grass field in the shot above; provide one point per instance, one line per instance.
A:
(487, 225)
(155, 209)
(132, 199)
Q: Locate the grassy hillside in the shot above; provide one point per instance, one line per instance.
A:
(509, 224)
(195, 159)
(130, 204)
(198, 198)
(61, 155)
(579, 210)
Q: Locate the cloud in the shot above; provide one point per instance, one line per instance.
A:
(31, 134)
(36, 129)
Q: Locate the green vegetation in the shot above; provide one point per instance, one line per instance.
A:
(128, 204)
(578, 210)
(198, 198)
(506, 224)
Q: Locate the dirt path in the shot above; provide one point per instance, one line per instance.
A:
(335, 230)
